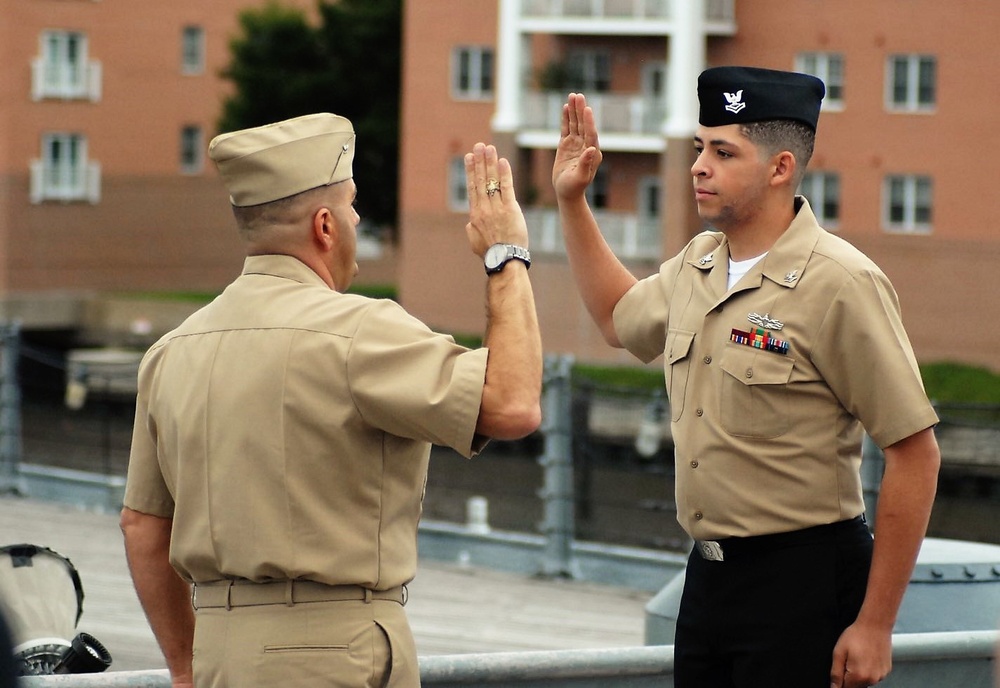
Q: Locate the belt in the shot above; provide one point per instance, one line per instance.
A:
(736, 547)
(244, 593)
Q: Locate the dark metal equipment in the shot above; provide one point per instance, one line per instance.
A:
(41, 598)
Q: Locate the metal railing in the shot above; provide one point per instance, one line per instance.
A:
(716, 11)
(628, 235)
(920, 660)
(615, 113)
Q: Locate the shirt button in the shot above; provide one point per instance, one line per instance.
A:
(707, 359)
(694, 464)
(698, 516)
(699, 412)
(749, 372)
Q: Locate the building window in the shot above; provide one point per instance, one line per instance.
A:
(908, 203)
(912, 82)
(472, 73)
(191, 150)
(597, 192)
(192, 50)
(62, 69)
(589, 71)
(458, 192)
(822, 190)
(830, 68)
(64, 173)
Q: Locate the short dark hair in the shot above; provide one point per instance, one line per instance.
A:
(776, 135)
(252, 219)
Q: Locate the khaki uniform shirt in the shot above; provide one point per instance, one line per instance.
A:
(286, 430)
(770, 382)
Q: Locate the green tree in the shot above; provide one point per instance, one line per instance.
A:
(282, 66)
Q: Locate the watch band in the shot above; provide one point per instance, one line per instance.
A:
(512, 252)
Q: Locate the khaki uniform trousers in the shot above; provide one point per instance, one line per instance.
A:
(324, 644)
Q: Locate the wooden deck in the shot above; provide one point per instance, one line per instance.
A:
(452, 609)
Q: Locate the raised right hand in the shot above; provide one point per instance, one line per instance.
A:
(578, 155)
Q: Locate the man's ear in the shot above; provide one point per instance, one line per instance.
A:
(324, 229)
(784, 168)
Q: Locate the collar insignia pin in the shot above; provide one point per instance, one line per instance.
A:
(792, 276)
(705, 259)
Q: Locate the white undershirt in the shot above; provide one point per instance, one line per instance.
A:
(738, 268)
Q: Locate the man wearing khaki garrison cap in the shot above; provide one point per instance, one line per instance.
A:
(781, 344)
(283, 432)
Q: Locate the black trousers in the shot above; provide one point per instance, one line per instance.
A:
(769, 615)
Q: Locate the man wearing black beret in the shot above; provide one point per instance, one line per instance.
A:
(782, 345)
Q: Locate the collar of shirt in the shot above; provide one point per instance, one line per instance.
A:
(277, 265)
(785, 261)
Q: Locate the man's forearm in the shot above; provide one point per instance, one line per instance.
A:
(165, 597)
(600, 276)
(905, 500)
(512, 393)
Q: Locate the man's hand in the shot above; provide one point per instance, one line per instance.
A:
(578, 155)
(494, 214)
(862, 657)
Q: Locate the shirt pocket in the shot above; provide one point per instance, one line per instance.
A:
(677, 364)
(754, 396)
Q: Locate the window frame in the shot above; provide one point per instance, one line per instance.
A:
(63, 68)
(66, 177)
(912, 100)
(590, 70)
(192, 50)
(830, 68)
(458, 191)
(467, 65)
(192, 144)
(914, 188)
(818, 186)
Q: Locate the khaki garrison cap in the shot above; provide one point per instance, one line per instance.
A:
(278, 160)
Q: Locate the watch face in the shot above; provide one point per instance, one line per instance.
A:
(495, 255)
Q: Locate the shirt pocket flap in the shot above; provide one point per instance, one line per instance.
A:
(753, 367)
(678, 345)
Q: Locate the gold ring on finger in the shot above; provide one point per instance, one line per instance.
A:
(492, 186)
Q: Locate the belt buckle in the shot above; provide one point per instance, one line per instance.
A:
(710, 550)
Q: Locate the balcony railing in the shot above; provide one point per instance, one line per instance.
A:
(629, 236)
(715, 10)
(65, 80)
(615, 114)
(77, 182)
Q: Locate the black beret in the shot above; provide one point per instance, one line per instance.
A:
(738, 95)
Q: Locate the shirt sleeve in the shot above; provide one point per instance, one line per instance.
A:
(865, 356)
(410, 381)
(640, 316)
(145, 488)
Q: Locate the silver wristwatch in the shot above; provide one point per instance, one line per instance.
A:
(499, 255)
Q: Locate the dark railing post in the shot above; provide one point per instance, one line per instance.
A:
(557, 461)
(10, 408)
(872, 467)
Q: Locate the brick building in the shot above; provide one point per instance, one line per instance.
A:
(106, 191)
(106, 110)
(911, 96)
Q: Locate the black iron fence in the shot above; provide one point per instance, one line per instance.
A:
(620, 470)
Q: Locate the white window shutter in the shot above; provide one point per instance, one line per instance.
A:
(94, 182)
(37, 79)
(94, 81)
(36, 190)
